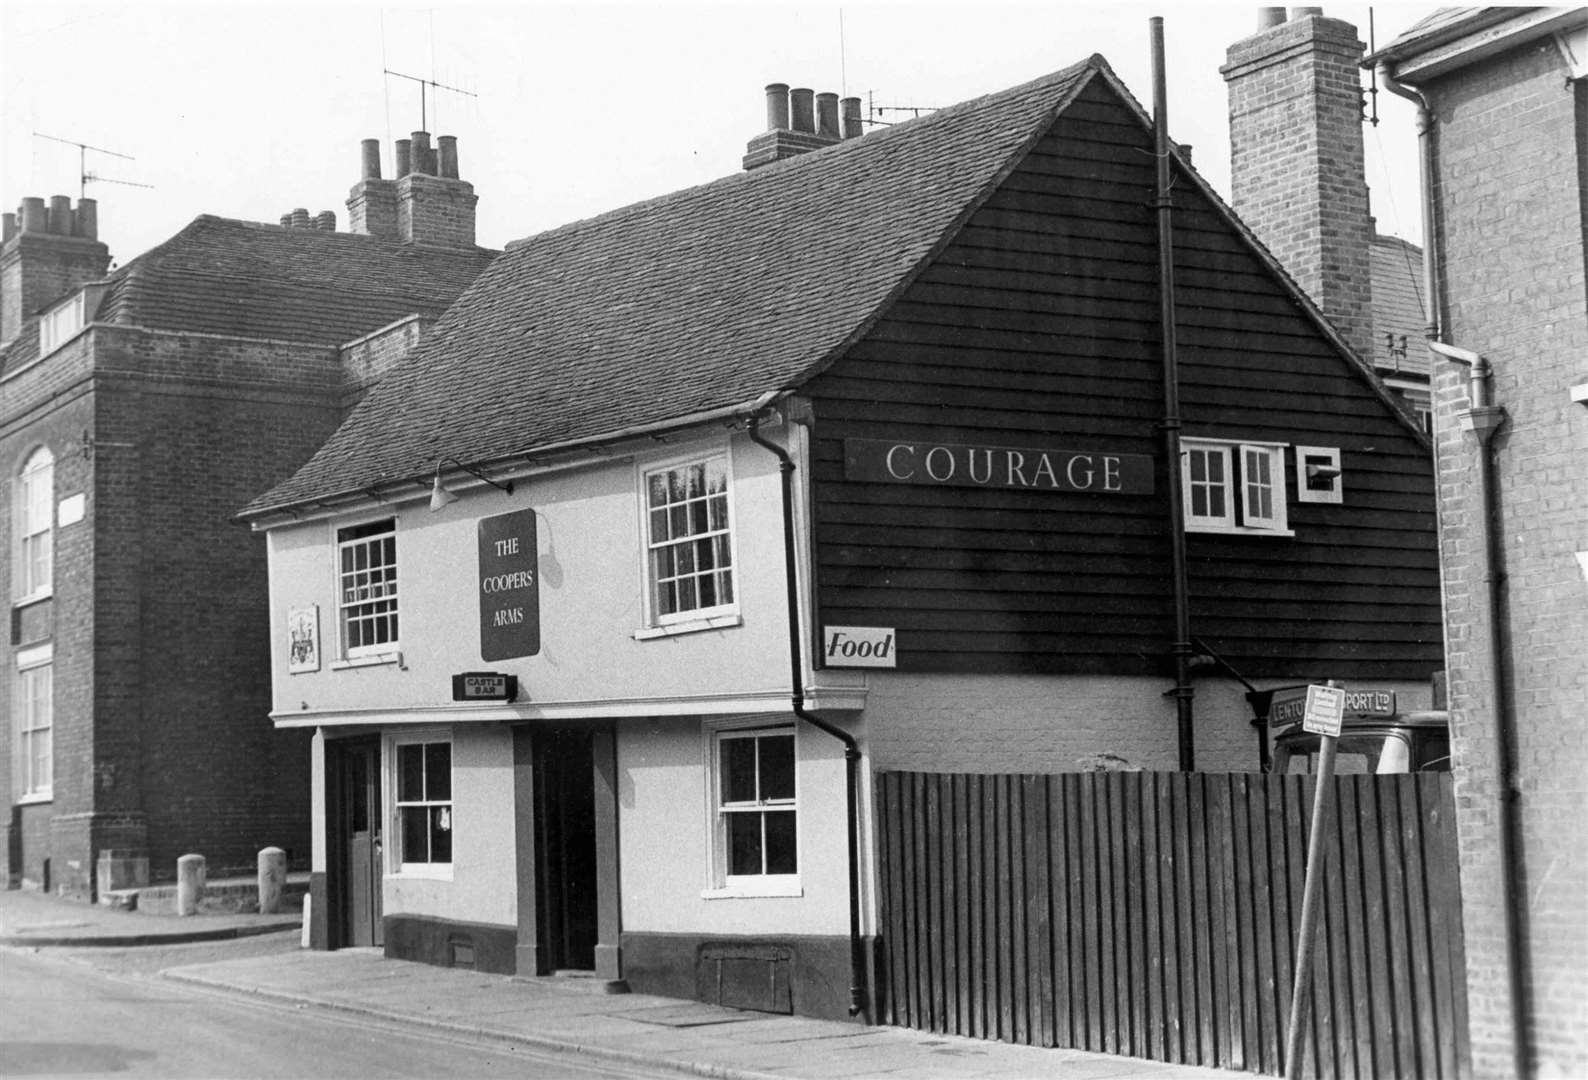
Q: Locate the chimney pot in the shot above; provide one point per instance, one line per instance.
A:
(802, 110)
(448, 149)
(87, 220)
(34, 217)
(776, 106)
(1270, 17)
(60, 219)
(369, 159)
(827, 116)
(8, 227)
(423, 160)
(404, 158)
(1303, 12)
(286, 220)
(325, 221)
(300, 218)
(853, 128)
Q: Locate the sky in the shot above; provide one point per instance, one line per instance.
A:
(562, 111)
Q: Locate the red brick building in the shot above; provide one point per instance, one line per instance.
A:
(138, 410)
(1505, 109)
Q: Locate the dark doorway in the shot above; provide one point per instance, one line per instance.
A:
(565, 813)
(357, 828)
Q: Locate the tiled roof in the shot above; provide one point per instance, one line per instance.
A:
(1397, 305)
(246, 279)
(1442, 26)
(704, 299)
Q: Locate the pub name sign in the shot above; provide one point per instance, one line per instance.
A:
(509, 586)
(1027, 468)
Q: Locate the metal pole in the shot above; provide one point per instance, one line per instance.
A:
(1300, 994)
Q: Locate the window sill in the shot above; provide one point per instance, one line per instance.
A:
(753, 892)
(32, 598)
(690, 626)
(437, 872)
(36, 798)
(372, 660)
(1237, 530)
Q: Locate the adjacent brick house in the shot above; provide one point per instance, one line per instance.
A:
(137, 410)
(1504, 94)
(874, 425)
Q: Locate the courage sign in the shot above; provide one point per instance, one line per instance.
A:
(509, 586)
(1032, 468)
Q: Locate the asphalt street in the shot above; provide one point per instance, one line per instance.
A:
(75, 1012)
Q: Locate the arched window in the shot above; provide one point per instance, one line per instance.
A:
(36, 518)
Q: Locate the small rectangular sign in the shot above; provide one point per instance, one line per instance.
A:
(1325, 710)
(509, 586)
(484, 686)
(1032, 468)
(858, 646)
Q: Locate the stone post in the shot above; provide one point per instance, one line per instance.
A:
(272, 879)
(189, 884)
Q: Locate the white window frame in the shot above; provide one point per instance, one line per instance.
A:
(62, 323)
(394, 853)
(35, 502)
(380, 651)
(34, 710)
(1250, 470)
(1331, 491)
(716, 616)
(720, 883)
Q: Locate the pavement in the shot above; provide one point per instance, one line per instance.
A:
(559, 1013)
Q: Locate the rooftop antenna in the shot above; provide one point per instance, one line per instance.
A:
(83, 175)
(431, 83)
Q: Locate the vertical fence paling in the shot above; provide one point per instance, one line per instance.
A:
(1154, 915)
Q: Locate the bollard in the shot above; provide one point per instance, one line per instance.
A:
(272, 879)
(189, 884)
(307, 938)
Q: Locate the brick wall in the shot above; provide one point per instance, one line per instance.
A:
(1513, 266)
(436, 211)
(1296, 167)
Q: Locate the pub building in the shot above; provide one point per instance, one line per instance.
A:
(691, 518)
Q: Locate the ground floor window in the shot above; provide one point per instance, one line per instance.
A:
(35, 713)
(423, 804)
(756, 807)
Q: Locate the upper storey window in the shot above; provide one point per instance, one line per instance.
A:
(689, 541)
(1234, 487)
(35, 514)
(367, 588)
(63, 322)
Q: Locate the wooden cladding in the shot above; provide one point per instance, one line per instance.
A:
(1155, 915)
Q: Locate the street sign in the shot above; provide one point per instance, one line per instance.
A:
(1325, 710)
(484, 686)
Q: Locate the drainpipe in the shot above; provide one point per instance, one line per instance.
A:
(1181, 649)
(1482, 418)
(857, 952)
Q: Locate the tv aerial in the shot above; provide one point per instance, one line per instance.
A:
(84, 176)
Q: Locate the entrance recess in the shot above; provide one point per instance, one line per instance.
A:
(565, 817)
(358, 827)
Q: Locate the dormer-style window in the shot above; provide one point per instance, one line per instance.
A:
(1234, 487)
(62, 323)
(35, 568)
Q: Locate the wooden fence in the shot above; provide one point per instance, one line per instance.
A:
(1155, 915)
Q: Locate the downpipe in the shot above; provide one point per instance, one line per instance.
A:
(857, 952)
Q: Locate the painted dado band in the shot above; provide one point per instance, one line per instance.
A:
(1030, 468)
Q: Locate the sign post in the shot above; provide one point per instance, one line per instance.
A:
(1325, 711)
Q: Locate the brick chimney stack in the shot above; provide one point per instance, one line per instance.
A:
(1297, 173)
(47, 252)
(799, 121)
(426, 204)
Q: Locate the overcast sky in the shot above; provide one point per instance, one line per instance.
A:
(250, 110)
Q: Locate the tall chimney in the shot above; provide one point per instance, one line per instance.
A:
(797, 121)
(1297, 174)
(372, 202)
(853, 128)
(48, 253)
(433, 208)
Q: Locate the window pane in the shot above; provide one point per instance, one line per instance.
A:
(679, 521)
(719, 512)
(440, 834)
(777, 766)
(738, 770)
(410, 772)
(780, 855)
(744, 844)
(415, 821)
(697, 481)
(656, 485)
(687, 600)
(724, 588)
(438, 771)
(659, 526)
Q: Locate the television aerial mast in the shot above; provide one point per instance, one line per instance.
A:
(83, 175)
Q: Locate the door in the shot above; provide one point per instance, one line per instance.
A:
(360, 817)
(565, 812)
